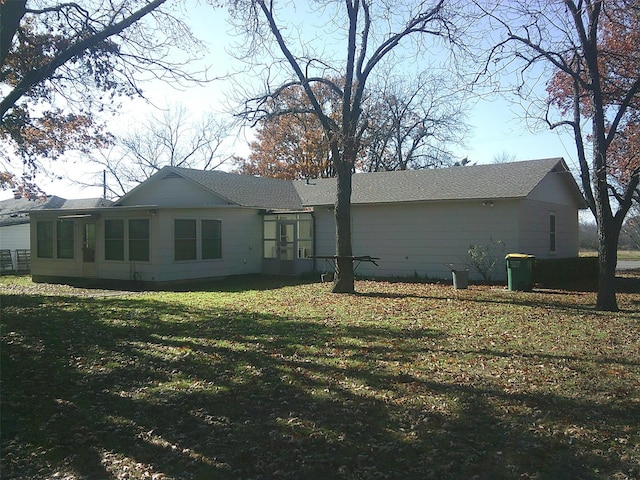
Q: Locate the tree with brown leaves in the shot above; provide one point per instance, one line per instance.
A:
(290, 146)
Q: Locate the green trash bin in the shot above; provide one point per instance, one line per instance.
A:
(520, 271)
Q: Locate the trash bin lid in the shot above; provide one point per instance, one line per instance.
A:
(519, 255)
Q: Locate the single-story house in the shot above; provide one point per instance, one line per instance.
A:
(183, 224)
(15, 237)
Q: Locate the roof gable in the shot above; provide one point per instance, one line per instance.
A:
(246, 190)
(166, 188)
(221, 188)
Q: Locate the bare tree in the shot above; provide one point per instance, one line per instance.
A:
(364, 35)
(167, 139)
(410, 124)
(504, 157)
(594, 81)
(413, 123)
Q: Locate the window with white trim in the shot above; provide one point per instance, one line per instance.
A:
(185, 240)
(287, 236)
(211, 239)
(114, 239)
(196, 239)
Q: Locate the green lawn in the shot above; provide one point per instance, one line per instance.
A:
(629, 255)
(259, 378)
(622, 254)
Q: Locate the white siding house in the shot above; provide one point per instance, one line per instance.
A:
(420, 222)
(183, 224)
(15, 228)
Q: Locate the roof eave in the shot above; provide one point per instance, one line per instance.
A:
(111, 208)
(424, 200)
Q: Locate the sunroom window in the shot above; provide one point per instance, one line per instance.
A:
(288, 236)
(185, 247)
(114, 239)
(65, 229)
(44, 239)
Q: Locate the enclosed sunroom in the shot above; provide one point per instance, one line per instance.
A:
(287, 243)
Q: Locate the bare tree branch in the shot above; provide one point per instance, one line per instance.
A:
(75, 49)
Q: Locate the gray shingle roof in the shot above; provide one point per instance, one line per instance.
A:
(507, 180)
(82, 203)
(245, 190)
(57, 203)
(16, 211)
(12, 210)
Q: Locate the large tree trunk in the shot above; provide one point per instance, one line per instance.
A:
(607, 260)
(344, 278)
(608, 228)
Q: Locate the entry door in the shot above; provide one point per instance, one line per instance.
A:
(286, 247)
(89, 249)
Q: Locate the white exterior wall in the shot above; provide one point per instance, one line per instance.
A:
(535, 230)
(241, 244)
(422, 238)
(14, 237)
(551, 196)
(241, 247)
(324, 231)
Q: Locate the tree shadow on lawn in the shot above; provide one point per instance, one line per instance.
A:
(553, 298)
(242, 283)
(100, 388)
